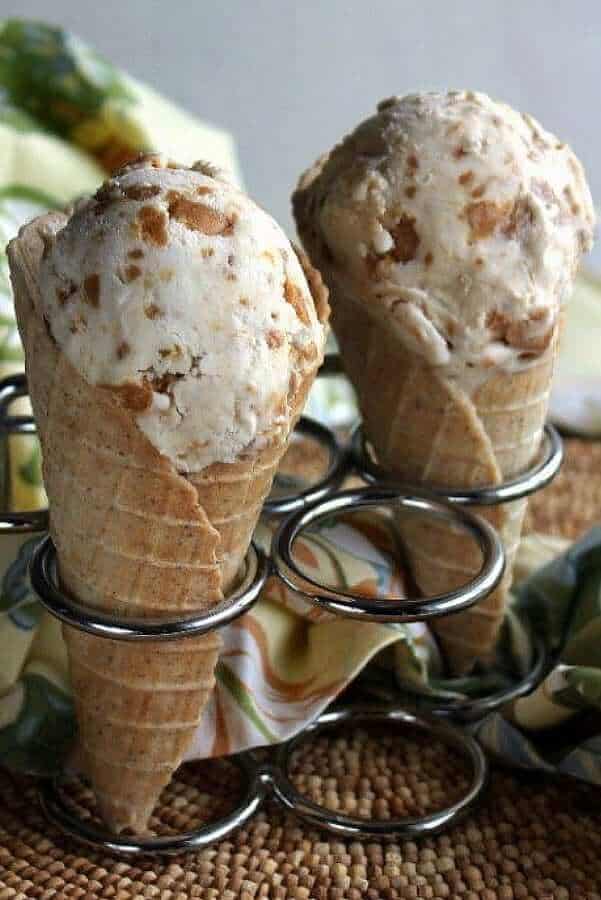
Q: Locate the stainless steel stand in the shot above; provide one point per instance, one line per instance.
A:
(301, 512)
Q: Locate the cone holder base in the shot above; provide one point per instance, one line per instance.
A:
(270, 780)
(301, 511)
(60, 813)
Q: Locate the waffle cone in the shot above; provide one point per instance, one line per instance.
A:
(134, 538)
(430, 430)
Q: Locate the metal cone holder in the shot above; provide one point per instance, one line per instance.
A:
(300, 512)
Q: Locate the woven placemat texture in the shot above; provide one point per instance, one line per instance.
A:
(530, 838)
(571, 504)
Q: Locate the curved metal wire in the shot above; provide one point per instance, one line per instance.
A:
(45, 584)
(338, 468)
(533, 480)
(264, 780)
(309, 507)
(11, 389)
(467, 710)
(396, 608)
(59, 812)
(353, 826)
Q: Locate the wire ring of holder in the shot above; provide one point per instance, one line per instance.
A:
(13, 388)
(271, 779)
(472, 709)
(336, 471)
(393, 609)
(34, 522)
(351, 826)
(533, 480)
(45, 584)
(60, 814)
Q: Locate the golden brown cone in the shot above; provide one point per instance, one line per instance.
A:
(135, 537)
(430, 431)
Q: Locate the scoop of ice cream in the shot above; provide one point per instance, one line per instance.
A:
(171, 287)
(456, 217)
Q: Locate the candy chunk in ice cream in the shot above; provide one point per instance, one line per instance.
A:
(457, 218)
(173, 289)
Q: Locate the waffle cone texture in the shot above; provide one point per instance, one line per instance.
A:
(431, 431)
(135, 538)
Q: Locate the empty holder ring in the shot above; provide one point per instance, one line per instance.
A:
(353, 826)
(338, 467)
(44, 581)
(389, 609)
(534, 479)
(59, 813)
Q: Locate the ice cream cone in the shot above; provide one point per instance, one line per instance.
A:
(134, 538)
(431, 432)
(449, 229)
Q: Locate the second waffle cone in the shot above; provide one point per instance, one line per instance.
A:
(431, 431)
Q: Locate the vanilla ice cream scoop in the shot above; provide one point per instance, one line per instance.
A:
(458, 219)
(173, 289)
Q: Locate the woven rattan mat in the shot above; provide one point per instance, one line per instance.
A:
(532, 836)
(572, 502)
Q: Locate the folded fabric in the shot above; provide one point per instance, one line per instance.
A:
(558, 727)
(283, 663)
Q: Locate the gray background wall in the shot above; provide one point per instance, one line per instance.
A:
(289, 78)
